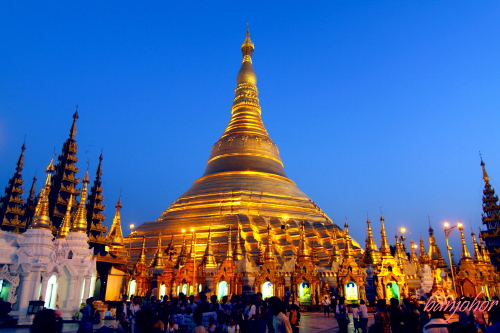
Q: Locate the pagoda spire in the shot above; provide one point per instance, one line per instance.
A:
(95, 217)
(41, 220)
(80, 219)
(157, 262)
(192, 250)
(142, 255)
(12, 207)
(238, 251)
(371, 255)
(423, 259)
(181, 259)
(208, 261)
(385, 250)
(269, 256)
(141, 266)
(303, 249)
(30, 204)
(413, 253)
(465, 255)
(64, 181)
(335, 247)
(484, 251)
(348, 253)
(66, 225)
(435, 257)
(115, 236)
(478, 258)
(245, 144)
(229, 253)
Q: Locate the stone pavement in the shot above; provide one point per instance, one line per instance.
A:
(310, 322)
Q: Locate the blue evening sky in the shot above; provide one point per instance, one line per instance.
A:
(372, 103)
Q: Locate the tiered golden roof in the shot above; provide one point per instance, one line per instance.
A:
(245, 180)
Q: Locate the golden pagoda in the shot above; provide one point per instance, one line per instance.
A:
(244, 181)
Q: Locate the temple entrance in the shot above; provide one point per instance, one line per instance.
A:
(50, 294)
(305, 293)
(97, 289)
(4, 290)
(185, 289)
(267, 290)
(131, 288)
(163, 290)
(222, 289)
(392, 291)
(351, 292)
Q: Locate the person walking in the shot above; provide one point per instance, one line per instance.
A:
(326, 307)
(355, 317)
(134, 309)
(294, 318)
(363, 315)
(86, 323)
(342, 315)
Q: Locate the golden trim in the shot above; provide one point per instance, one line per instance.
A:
(226, 173)
(246, 154)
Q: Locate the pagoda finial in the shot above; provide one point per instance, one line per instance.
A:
(115, 235)
(247, 47)
(72, 131)
(465, 256)
(20, 161)
(478, 258)
(80, 219)
(424, 259)
(142, 256)
(413, 253)
(303, 250)
(485, 174)
(229, 253)
(335, 246)
(157, 262)
(238, 251)
(41, 219)
(348, 242)
(246, 73)
(269, 256)
(33, 188)
(208, 258)
(192, 250)
(385, 250)
(66, 225)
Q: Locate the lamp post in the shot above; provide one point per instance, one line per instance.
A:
(194, 263)
(447, 230)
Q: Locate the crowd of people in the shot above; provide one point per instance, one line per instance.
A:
(251, 313)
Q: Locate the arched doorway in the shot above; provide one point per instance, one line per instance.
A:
(131, 288)
(222, 289)
(51, 292)
(4, 290)
(392, 290)
(305, 293)
(351, 292)
(267, 290)
(163, 290)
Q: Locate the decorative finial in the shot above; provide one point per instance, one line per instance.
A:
(72, 131)
(247, 47)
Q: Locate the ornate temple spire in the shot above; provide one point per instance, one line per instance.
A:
(208, 261)
(12, 207)
(261, 253)
(269, 256)
(491, 209)
(423, 259)
(348, 253)
(170, 249)
(64, 181)
(41, 220)
(245, 142)
(399, 251)
(370, 241)
(413, 255)
(238, 251)
(229, 252)
(95, 207)
(66, 225)
(192, 250)
(72, 131)
(181, 259)
(385, 250)
(335, 247)
(80, 219)
(141, 266)
(465, 255)
(477, 257)
(115, 236)
(157, 262)
(142, 255)
(30, 203)
(435, 257)
(484, 251)
(303, 249)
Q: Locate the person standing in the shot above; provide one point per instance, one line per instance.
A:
(355, 317)
(86, 324)
(342, 315)
(326, 307)
(134, 309)
(281, 323)
(437, 324)
(294, 318)
(382, 317)
(363, 315)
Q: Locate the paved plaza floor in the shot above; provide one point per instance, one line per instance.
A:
(310, 323)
